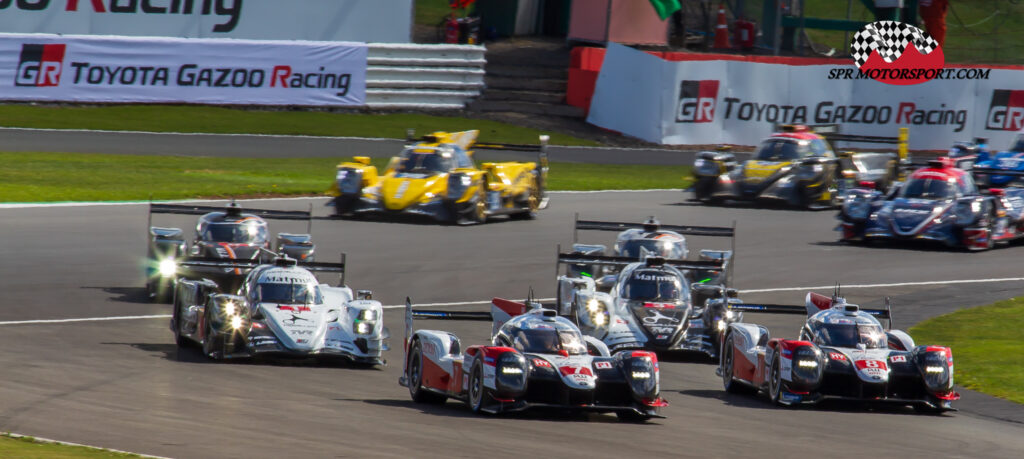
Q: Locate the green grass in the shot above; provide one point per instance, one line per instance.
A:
(194, 118)
(29, 448)
(987, 343)
(55, 177)
(430, 12)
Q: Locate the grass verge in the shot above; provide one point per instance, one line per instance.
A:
(30, 448)
(220, 120)
(55, 177)
(987, 343)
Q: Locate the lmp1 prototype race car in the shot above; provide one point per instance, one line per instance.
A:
(937, 203)
(535, 360)
(795, 167)
(999, 169)
(437, 177)
(281, 310)
(228, 233)
(843, 352)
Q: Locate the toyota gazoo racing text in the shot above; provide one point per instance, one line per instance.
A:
(437, 177)
(937, 203)
(536, 359)
(795, 167)
(280, 310)
(647, 295)
(843, 352)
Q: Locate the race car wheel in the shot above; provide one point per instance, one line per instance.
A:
(180, 340)
(727, 364)
(213, 342)
(530, 206)
(775, 381)
(478, 396)
(414, 377)
(479, 212)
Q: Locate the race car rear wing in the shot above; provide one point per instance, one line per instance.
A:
(316, 266)
(768, 308)
(832, 134)
(586, 259)
(686, 230)
(186, 209)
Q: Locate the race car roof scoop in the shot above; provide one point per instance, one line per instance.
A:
(651, 225)
(233, 209)
(284, 261)
(654, 261)
(850, 309)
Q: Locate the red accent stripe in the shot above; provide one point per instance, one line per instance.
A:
(511, 307)
(822, 302)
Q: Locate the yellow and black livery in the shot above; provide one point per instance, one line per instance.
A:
(437, 177)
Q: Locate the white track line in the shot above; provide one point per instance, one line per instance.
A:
(65, 443)
(469, 303)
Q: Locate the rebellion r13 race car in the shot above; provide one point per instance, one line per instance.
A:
(843, 352)
(281, 310)
(228, 233)
(795, 167)
(535, 360)
(437, 177)
(936, 203)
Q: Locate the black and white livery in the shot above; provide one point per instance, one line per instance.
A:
(535, 359)
(229, 233)
(280, 310)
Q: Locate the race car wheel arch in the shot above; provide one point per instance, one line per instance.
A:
(414, 376)
(478, 396)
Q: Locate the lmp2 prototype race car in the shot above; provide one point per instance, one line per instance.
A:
(437, 177)
(795, 167)
(937, 203)
(536, 359)
(280, 310)
(229, 232)
(647, 295)
(842, 353)
(999, 169)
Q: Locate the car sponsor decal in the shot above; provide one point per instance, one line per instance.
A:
(836, 356)
(541, 363)
(578, 374)
(293, 308)
(660, 305)
(429, 348)
(876, 369)
(898, 358)
(603, 365)
(789, 397)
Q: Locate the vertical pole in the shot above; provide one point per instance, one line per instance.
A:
(776, 34)
(846, 34)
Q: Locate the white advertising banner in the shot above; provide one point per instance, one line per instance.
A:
(738, 102)
(178, 70)
(386, 21)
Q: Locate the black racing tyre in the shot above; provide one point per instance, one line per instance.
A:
(727, 365)
(775, 380)
(179, 340)
(703, 187)
(414, 377)
(632, 416)
(530, 206)
(478, 393)
(478, 214)
(213, 342)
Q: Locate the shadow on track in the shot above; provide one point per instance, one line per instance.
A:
(760, 401)
(172, 352)
(459, 410)
(125, 294)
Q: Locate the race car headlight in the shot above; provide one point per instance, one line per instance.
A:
(510, 374)
(857, 209)
(230, 308)
(967, 212)
(236, 322)
(363, 328)
(936, 371)
(642, 376)
(707, 167)
(368, 314)
(597, 313)
(809, 171)
(807, 365)
(167, 267)
(350, 181)
(458, 184)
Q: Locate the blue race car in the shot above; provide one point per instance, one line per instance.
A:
(1002, 168)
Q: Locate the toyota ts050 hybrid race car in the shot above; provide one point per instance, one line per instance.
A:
(795, 167)
(229, 233)
(999, 169)
(536, 359)
(437, 177)
(647, 295)
(842, 352)
(937, 203)
(280, 310)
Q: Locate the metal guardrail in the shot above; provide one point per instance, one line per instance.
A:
(423, 76)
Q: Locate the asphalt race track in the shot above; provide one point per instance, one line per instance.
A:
(123, 384)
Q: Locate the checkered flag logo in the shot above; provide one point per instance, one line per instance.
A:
(890, 38)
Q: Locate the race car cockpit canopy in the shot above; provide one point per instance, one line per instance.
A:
(831, 328)
(547, 336)
(432, 160)
(248, 230)
(653, 284)
(938, 184)
(288, 286)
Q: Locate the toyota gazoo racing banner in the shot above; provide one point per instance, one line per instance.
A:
(179, 70)
(736, 102)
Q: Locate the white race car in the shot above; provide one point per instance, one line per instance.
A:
(280, 310)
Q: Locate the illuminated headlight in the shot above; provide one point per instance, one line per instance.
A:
(641, 374)
(458, 184)
(510, 377)
(934, 369)
(168, 267)
(597, 313)
(807, 368)
(721, 325)
(729, 315)
(368, 314)
(236, 322)
(857, 208)
(511, 371)
(364, 328)
(230, 308)
(810, 171)
(807, 363)
(593, 306)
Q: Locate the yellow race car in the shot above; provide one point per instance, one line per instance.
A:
(437, 177)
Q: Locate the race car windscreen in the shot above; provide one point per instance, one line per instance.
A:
(290, 293)
(850, 335)
(548, 341)
(779, 150)
(927, 188)
(235, 233)
(661, 248)
(652, 285)
(413, 162)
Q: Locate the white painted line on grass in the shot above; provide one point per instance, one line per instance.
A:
(469, 303)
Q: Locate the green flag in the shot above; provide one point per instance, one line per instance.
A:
(665, 8)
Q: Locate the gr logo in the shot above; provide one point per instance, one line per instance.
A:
(1006, 112)
(40, 65)
(697, 101)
